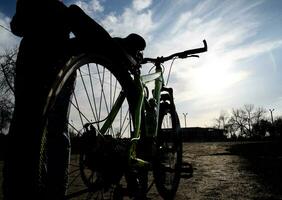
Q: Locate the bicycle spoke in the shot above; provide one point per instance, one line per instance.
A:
(102, 90)
(73, 171)
(77, 106)
(167, 173)
(79, 111)
(73, 127)
(86, 91)
(98, 99)
(73, 180)
(73, 165)
(115, 90)
(93, 94)
(120, 119)
(125, 129)
(122, 124)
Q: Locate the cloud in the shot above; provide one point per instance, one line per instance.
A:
(91, 7)
(254, 49)
(141, 4)
(129, 21)
(136, 17)
(7, 39)
(232, 30)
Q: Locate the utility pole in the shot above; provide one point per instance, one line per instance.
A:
(271, 114)
(185, 118)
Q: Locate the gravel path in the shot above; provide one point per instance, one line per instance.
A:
(218, 174)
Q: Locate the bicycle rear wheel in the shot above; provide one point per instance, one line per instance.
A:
(99, 122)
(167, 165)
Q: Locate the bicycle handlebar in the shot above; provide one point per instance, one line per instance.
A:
(184, 54)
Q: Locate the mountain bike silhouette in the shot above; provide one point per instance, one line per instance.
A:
(122, 132)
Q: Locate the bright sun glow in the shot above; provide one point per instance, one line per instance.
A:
(215, 76)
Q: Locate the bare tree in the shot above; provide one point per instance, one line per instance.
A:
(261, 127)
(248, 111)
(237, 121)
(7, 72)
(222, 122)
(259, 114)
(243, 119)
(7, 75)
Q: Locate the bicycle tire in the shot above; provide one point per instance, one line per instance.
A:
(74, 66)
(169, 146)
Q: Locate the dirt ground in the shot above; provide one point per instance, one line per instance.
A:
(225, 170)
(232, 171)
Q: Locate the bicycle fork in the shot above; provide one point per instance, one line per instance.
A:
(186, 168)
(134, 162)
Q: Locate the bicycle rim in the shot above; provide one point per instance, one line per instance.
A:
(97, 90)
(167, 165)
(98, 87)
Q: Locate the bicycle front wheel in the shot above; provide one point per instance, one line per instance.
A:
(167, 165)
(99, 121)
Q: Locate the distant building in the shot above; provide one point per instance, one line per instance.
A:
(202, 134)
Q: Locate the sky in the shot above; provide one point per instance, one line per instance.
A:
(243, 64)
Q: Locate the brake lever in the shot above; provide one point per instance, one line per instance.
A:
(195, 56)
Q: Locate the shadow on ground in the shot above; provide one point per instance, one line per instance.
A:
(228, 170)
(265, 159)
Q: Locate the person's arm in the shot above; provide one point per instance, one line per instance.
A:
(17, 23)
(33, 17)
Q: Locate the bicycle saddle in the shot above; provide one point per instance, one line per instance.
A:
(133, 44)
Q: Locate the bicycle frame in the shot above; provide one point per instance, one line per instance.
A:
(157, 77)
(140, 83)
(140, 106)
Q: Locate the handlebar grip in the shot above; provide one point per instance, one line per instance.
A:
(189, 53)
(183, 54)
(199, 50)
(205, 45)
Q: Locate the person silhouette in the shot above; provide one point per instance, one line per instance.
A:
(45, 28)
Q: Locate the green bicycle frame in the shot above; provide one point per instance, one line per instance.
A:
(139, 82)
(158, 78)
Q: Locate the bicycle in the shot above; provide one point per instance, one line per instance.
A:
(123, 133)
